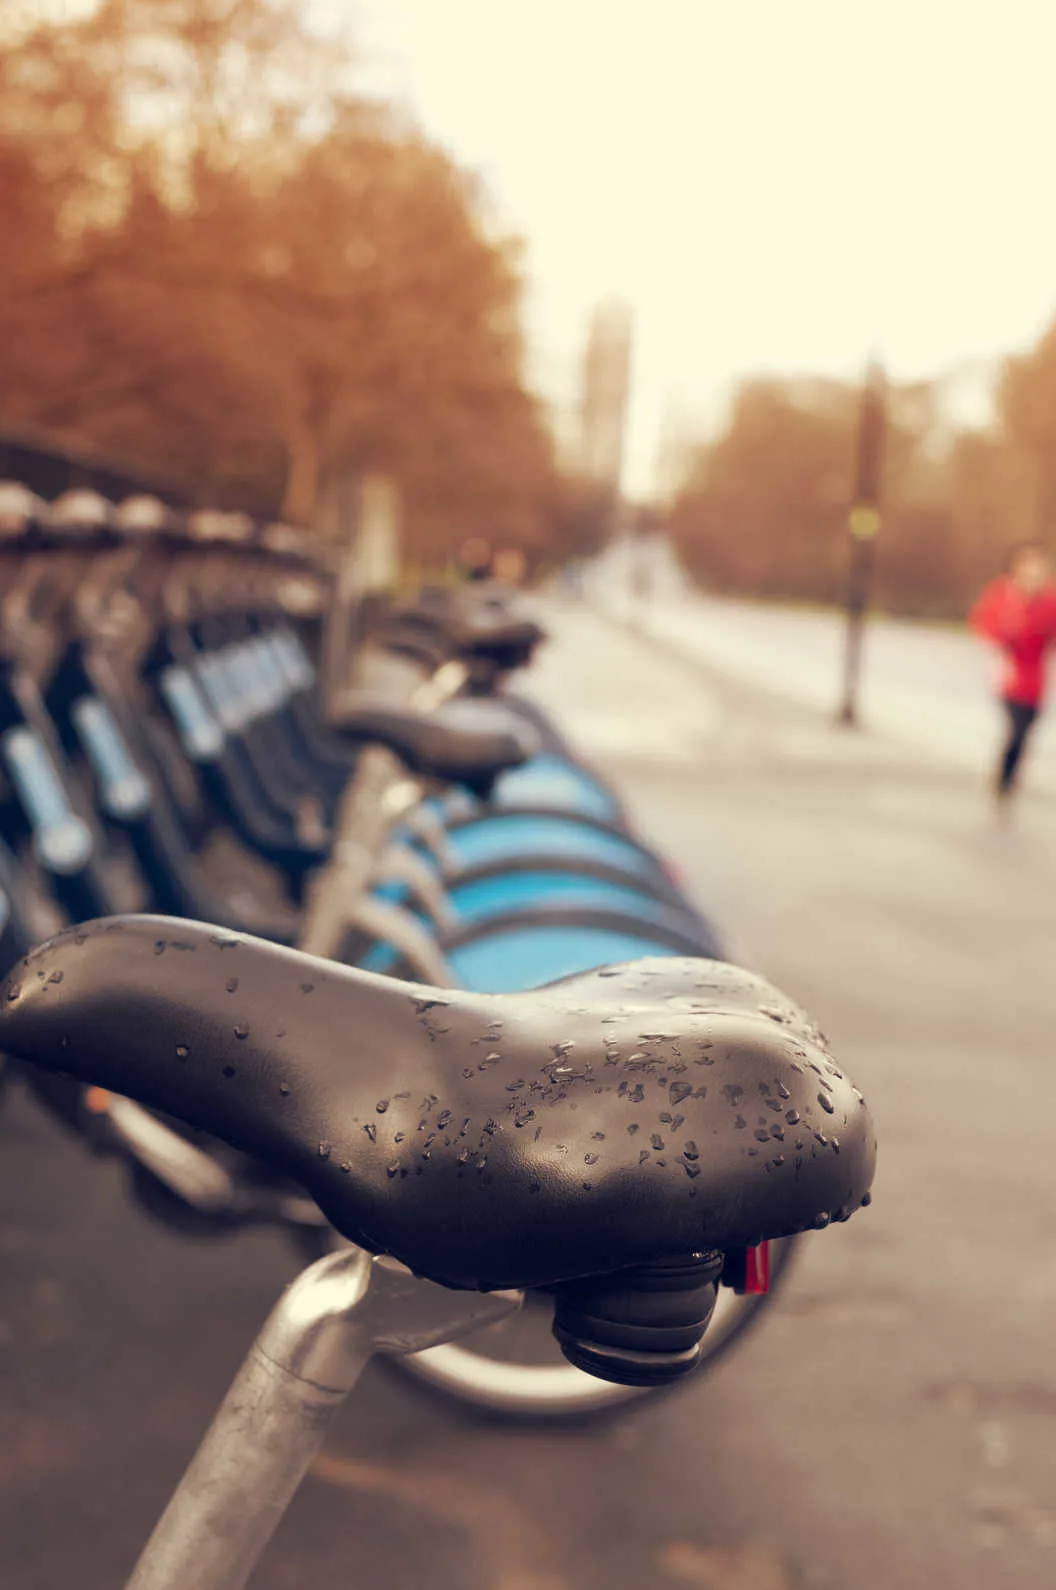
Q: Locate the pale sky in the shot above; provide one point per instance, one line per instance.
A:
(772, 184)
(781, 185)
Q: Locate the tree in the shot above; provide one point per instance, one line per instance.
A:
(250, 279)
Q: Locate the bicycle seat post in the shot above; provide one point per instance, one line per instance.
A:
(308, 1356)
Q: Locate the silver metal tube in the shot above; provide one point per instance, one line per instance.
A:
(401, 864)
(363, 824)
(396, 926)
(186, 1170)
(307, 1358)
(265, 1434)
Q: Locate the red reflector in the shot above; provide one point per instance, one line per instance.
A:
(757, 1269)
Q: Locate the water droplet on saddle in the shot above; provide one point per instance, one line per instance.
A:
(371, 1131)
(740, 1123)
(345, 1165)
(835, 1144)
(523, 1117)
(691, 1168)
(866, 1200)
(228, 1071)
(232, 985)
(761, 1136)
(632, 1128)
(643, 1156)
(533, 1187)
(792, 1117)
(284, 1089)
(598, 1137)
(399, 1137)
(13, 992)
(56, 977)
(819, 1137)
(826, 1104)
(381, 1106)
(679, 1091)
(241, 1032)
(691, 1151)
(657, 1141)
(392, 1170)
(159, 946)
(515, 1087)
(590, 1159)
(820, 1222)
(324, 1150)
(609, 971)
(306, 988)
(733, 1092)
(422, 1005)
(463, 1156)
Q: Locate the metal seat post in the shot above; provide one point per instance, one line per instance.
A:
(308, 1356)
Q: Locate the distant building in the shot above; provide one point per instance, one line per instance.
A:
(605, 394)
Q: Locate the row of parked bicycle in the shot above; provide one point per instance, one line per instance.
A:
(168, 744)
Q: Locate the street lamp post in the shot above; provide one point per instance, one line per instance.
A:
(863, 523)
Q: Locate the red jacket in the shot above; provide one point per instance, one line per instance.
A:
(1024, 626)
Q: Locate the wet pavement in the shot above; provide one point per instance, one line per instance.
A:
(892, 1421)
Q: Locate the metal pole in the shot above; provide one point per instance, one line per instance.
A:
(275, 1417)
(863, 524)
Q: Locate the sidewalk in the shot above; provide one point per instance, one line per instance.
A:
(925, 688)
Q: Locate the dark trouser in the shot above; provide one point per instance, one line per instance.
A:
(1021, 719)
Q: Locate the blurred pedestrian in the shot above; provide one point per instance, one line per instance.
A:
(474, 556)
(1017, 612)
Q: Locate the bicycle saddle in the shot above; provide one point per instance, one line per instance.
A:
(455, 743)
(606, 1122)
(476, 621)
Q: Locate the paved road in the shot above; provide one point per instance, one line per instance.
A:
(891, 1425)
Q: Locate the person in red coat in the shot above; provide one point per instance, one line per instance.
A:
(1018, 613)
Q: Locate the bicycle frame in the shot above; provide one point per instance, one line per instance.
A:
(381, 794)
(311, 1351)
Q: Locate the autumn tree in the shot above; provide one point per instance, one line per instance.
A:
(764, 507)
(252, 280)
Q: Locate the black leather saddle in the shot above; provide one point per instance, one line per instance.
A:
(618, 1119)
(461, 742)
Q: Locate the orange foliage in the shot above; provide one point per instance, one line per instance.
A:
(219, 265)
(764, 508)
